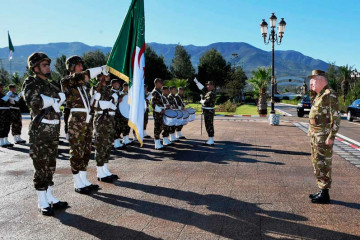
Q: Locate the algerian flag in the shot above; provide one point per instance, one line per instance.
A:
(11, 48)
(127, 61)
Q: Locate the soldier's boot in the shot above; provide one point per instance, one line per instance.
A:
(179, 135)
(79, 186)
(7, 143)
(108, 173)
(101, 176)
(210, 142)
(83, 177)
(67, 137)
(2, 143)
(56, 203)
(158, 145)
(126, 140)
(313, 195)
(118, 145)
(173, 138)
(146, 135)
(43, 205)
(166, 141)
(322, 198)
(18, 139)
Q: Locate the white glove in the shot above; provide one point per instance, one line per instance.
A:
(56, 106)
(95, 71)
(116, 97)
(196, 81)
(158, 108)
(97, 96)
(112, 106)
(104, 104)
(179, 107)
(202, 102)
(20, 94)
(148, 97)
(7, 96)
(16, 99)
(104, 71)
(62, 98)
(200, 86)
(47, 101)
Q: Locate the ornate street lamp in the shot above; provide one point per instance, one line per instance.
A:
(273, 37)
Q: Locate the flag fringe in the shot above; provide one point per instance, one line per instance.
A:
(134, 127)
(117, 73)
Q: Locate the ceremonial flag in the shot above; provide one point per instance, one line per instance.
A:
(127, 61)
(11, 48)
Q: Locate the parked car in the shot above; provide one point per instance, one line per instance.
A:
(353, 111)
(304, 106)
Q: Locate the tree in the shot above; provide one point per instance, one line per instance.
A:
(154, 67)
(4, 77)
(60, 65)
(94, 59)
(181, 66)
(213, 67)
(345, 78)
(16, 79)
(236, 83)
(332, 76)
(260, 81)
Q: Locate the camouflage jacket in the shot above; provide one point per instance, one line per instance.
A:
(147, 101)
(106, 94)
(180, 100)
(157, 98)
(210, 98)
(2, 102)
(173, 102)
(324, 114)
(76, 89)
(33, 87)
(14, 101)
(117, 91)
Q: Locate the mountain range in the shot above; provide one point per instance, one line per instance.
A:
(287, 63)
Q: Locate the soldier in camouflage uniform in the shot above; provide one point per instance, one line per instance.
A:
(174, 105)
(15, 114)
(324, 124)
(44, 100)
(146, 114)
(124, 121)
(158, 111)
(117, 119)
(208, 106)
(104, 127)
(4, 118)
(166, 129)
(181, 104)
(75, 86)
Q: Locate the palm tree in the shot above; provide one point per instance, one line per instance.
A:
(345, 77)
(260, 81)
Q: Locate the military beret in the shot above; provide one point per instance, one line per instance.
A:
(164, 88)
(172, 87)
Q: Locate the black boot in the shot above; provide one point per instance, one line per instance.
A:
(84, 190)
(93, 187)
(47, 211)
(105, 179)
(322, 198)
(313, 195)
(60, 205)
(114, 176)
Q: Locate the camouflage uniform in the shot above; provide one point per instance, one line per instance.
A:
(157, 99)
(123, 121)
(15, 115)
(66, 118)
(324, 124)
(146, 114)
(174, 104)
(180, 103)
(209, 110)
(43, 137)
(166, 129)
(80, 121)
(4, 117)
(117, 118)
(104, 128)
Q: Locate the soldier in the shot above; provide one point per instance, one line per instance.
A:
(147, 110)
(4, 118)
(166, 129)
(44, 100)
(208, 106)
(181, 104)
(117, 119)
(15, 114)
(80, 122)
(124, 126)
(104, 127)
(158, 111)
(174, 105)
(324, 124)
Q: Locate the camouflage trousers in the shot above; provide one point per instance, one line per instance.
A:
(209, 122)
(80, 138)
(122, 126)
(117, 124)
(66, 119)
(158, 124)
(104, 137)
(44, 141)
(166, 131)
(321, 157)
(146, 119)
(16, 121)
(172, 129)
(4, 123)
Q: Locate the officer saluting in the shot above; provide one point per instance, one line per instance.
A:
(324, 124)
(44, 100)
(208, 106)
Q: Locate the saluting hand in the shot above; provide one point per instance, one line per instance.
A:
(329, 142)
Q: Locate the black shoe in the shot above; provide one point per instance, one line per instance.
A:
(105, 179)
(8, 145)
(60, 205)
(182, 137)
(322, 198)
(313, 195)
(84, 190)
(20, 142)
(120, 148)
(93, 187)
(206, 144)
(114, 177)
(147, 136)
(46, 211)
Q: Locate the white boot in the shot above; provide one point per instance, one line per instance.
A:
(78, 183)
(145, 133)
(50, 197)
(18, 139)
(179, 135)
(100, 172)
(67, 136)
(210, 141)
(7, 141)
(83, 177)
(2, 142)
(158, 144)
(173, 138)
(166, 141)
(106, 170)
(117, 143)
(126, 140)
(42, 200)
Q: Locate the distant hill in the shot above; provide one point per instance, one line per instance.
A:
(287, 63)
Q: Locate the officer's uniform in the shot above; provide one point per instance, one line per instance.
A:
(4, 119)
(158, 105)
(208, 107)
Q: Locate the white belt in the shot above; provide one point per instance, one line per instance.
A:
(79, 110)
(101, 112)
(54, 122)
(15, 108)
(4, 108)
(208, 108)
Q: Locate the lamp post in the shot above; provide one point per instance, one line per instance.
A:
(273, 37)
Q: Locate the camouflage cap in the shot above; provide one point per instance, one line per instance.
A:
(36, 58)
(317, 72)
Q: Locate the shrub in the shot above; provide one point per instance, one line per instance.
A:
(221, 99)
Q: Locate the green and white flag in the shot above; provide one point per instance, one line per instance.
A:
(127, 61)
(11, 48)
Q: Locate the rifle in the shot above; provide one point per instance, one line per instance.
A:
(38, 118)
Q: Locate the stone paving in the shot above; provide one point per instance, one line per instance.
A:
(253, 184)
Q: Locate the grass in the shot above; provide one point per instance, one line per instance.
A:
(293, 102)
(245, 109)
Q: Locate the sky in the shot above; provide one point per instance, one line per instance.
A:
(323, 29)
